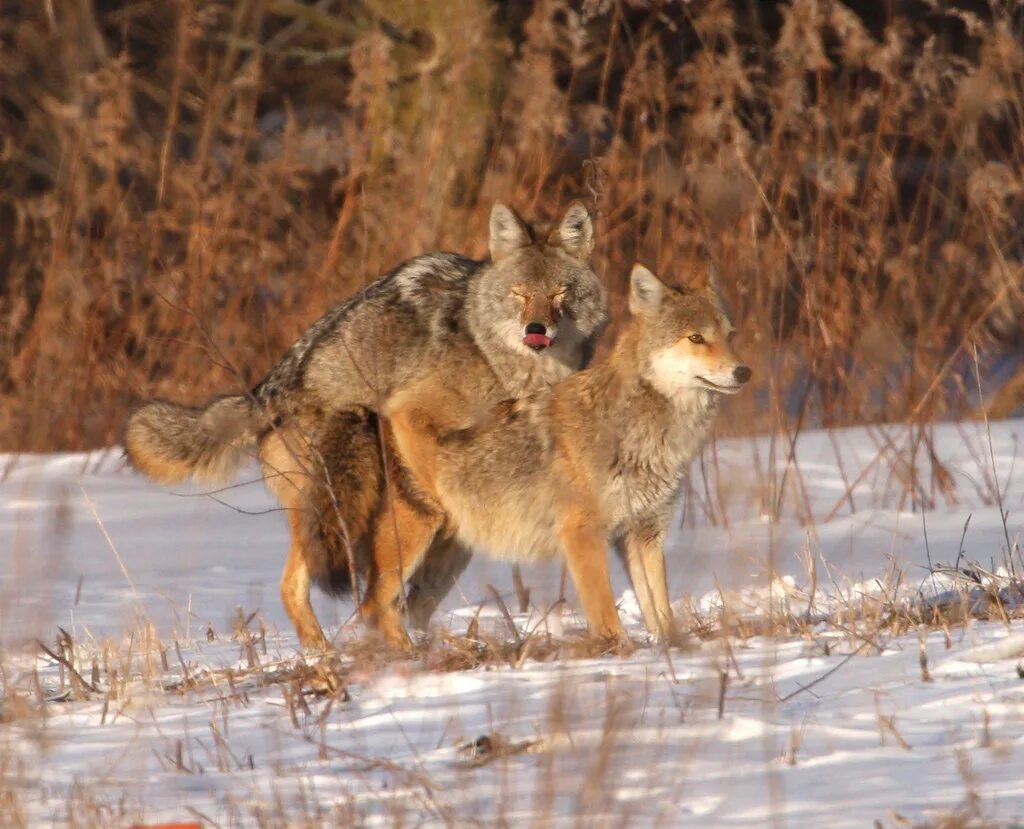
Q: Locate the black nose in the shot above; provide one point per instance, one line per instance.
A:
(741, 373)
(537, 328)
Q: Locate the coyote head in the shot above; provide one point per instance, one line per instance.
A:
(540, 295)
(684, 338)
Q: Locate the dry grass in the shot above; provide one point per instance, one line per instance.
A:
(141, 673)
(188, 185)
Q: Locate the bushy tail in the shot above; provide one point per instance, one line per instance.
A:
(170, 443)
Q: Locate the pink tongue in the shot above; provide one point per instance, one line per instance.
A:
(537, 340)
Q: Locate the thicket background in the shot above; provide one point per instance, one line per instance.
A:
(186, 185)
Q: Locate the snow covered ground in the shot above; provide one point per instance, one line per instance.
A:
(828, 716)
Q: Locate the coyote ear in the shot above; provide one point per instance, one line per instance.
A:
(645, 291)
(508, 232)
(575, 233)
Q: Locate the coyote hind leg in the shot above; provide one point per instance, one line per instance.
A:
(402, 534)
(295, 587)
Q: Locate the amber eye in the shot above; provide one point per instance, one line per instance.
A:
(696, 339)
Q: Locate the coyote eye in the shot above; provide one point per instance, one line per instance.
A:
(558, 296)
(696, 339)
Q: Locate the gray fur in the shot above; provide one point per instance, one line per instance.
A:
(420, 293)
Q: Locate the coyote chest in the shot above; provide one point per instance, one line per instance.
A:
(640, 489)
(649, 464)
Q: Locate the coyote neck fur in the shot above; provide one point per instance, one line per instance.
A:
(650, 437)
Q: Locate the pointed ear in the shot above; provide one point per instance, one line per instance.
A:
(575, 233)
(508, 232)
(645, 291)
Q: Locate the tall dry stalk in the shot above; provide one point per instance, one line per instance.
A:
(188, 185)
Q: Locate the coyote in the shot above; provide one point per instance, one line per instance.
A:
(596, 459)
(491, 330)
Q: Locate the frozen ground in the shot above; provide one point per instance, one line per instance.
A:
(833, 723)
